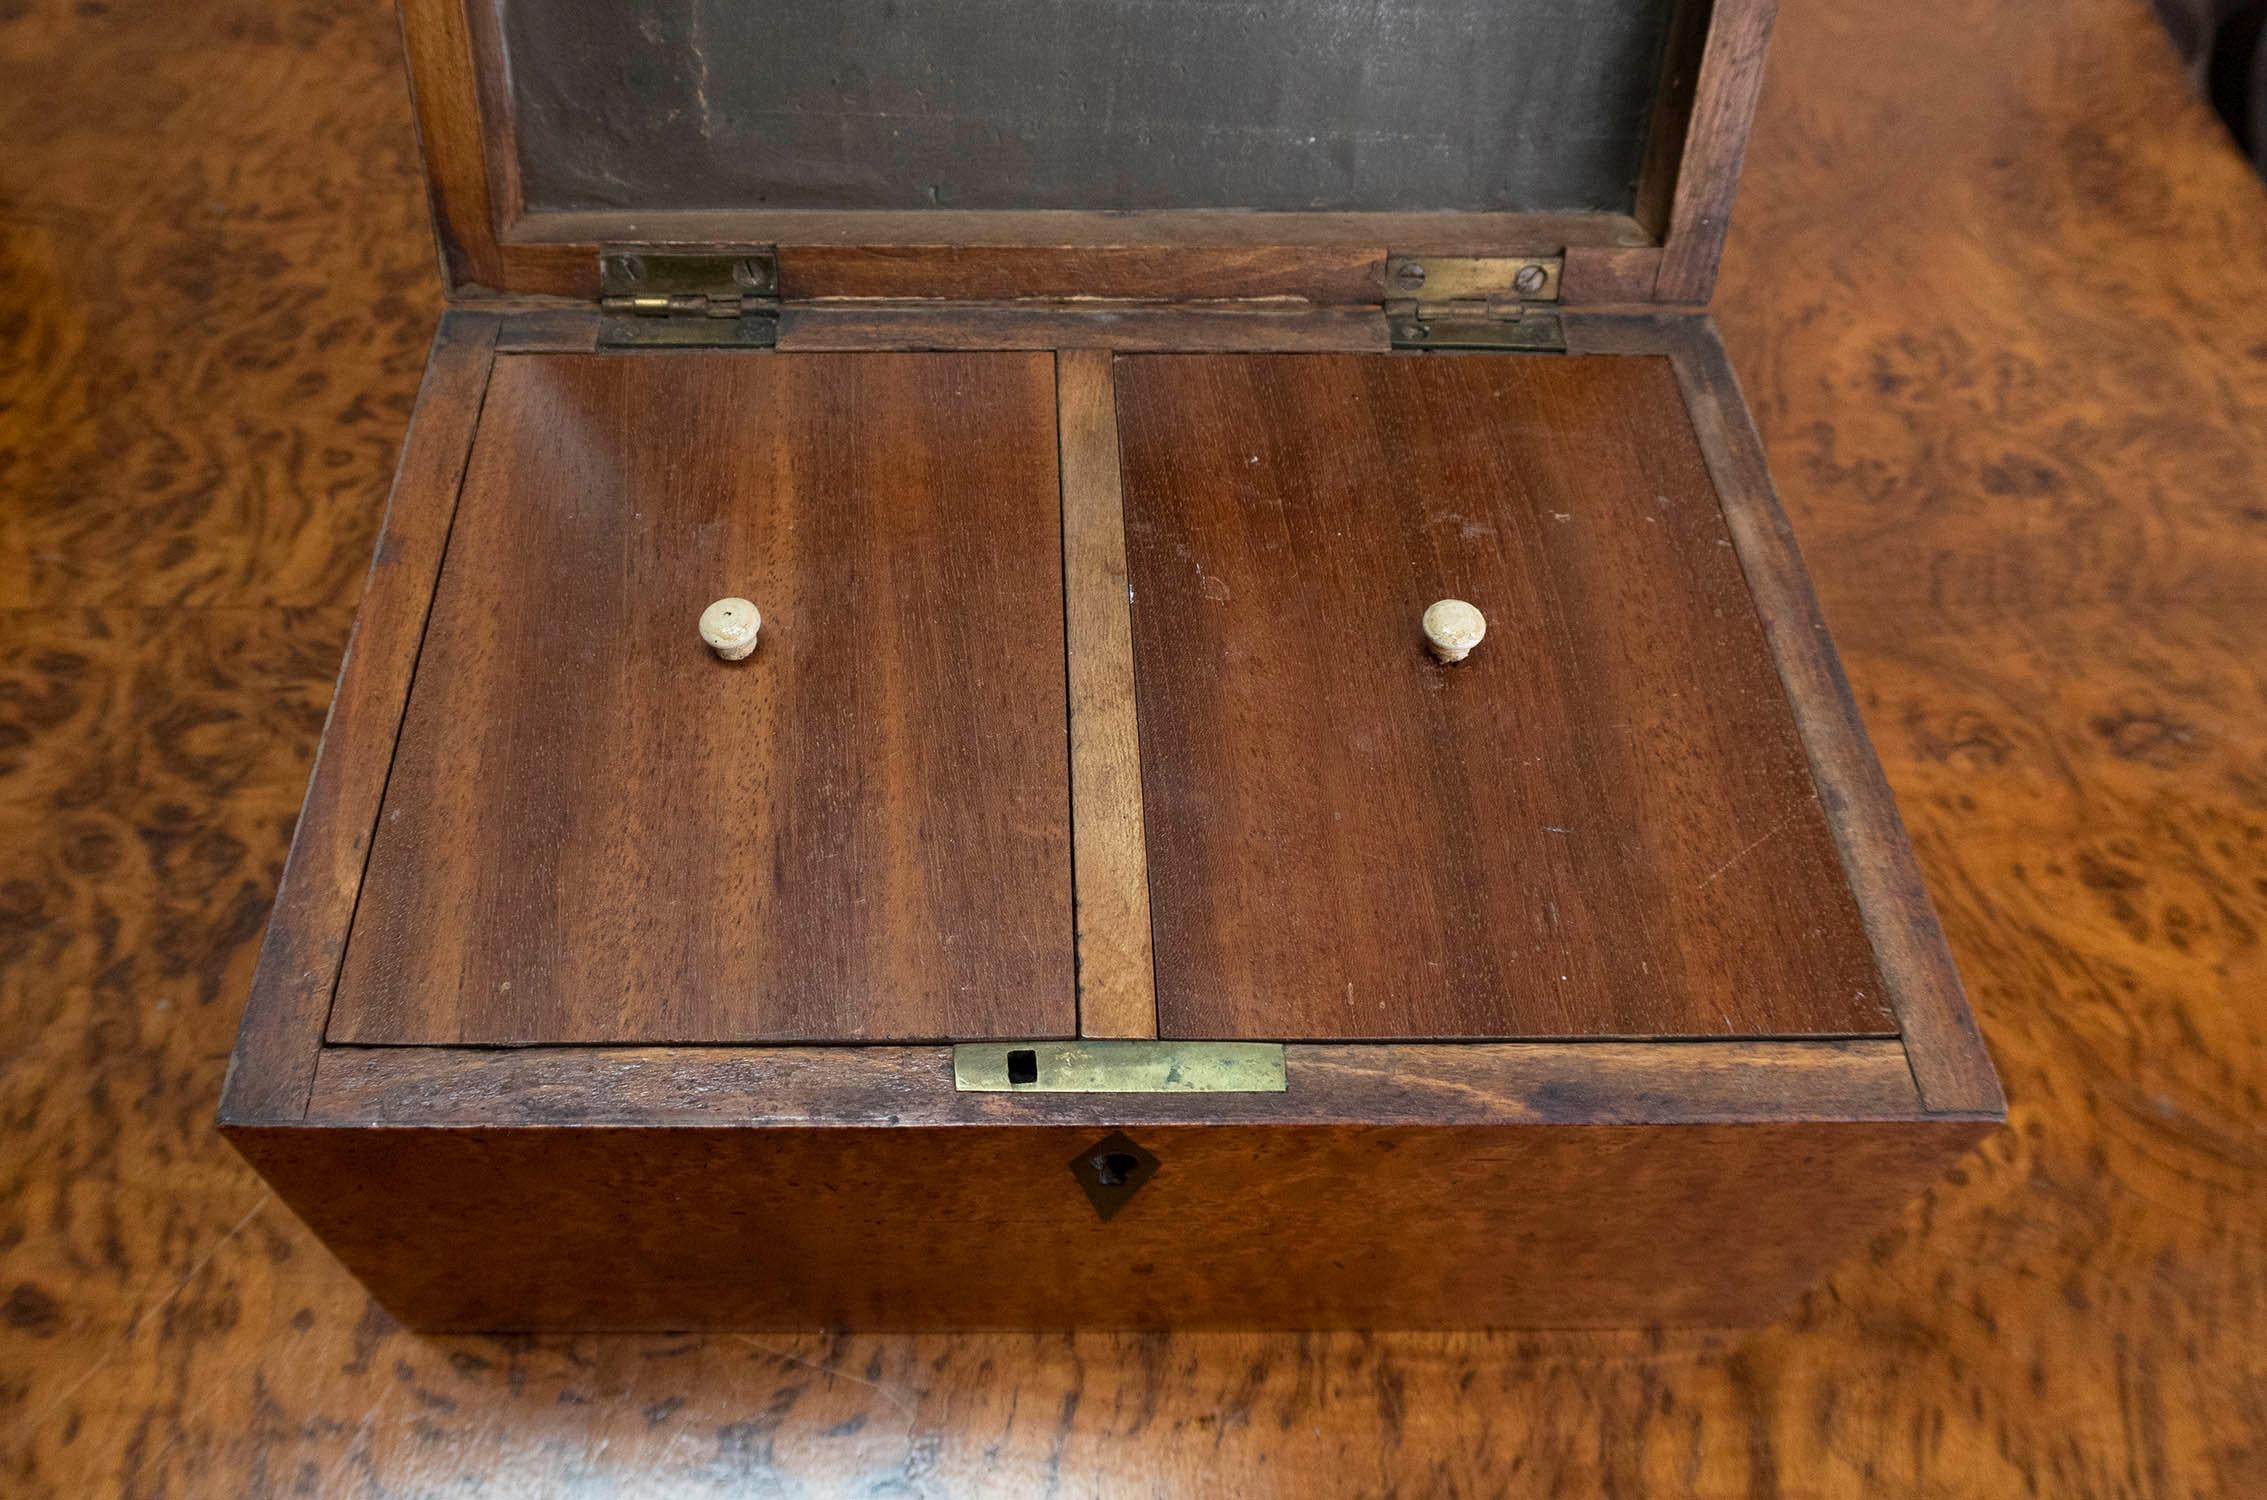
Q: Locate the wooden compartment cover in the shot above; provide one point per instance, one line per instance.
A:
(596, 831)
(1600, 824)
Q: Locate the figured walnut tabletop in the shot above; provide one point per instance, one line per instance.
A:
(1998, 291)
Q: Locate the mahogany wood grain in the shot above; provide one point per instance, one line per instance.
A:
(492, 89)
(1627, 331)
(1950, 1065)
(438, 36)
(984, 1226)
(1324, 275)
(548, 329)
(1605, 276)
(1199, 255)
(983, 326)
(528, 328)
(1474, 1083)
(1682, 52)
(465, 129)
(273, 1066)
(1707, 173)
(1601, 824)
(1117, 992)
(1058, 325)
(597, 831)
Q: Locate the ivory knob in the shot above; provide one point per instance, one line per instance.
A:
(1453, 628)
(729, 626)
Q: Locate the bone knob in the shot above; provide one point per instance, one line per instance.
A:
(729, 626)
(1453, 628)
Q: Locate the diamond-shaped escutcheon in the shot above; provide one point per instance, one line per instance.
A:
(1112, 1170)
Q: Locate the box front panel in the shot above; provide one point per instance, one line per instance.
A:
(1600, 823)
(597, 830)
(989, 1227)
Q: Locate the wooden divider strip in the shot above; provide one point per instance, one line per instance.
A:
(1117, 993)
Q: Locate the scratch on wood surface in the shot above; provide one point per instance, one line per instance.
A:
(889, 1393)
(127, 1337)
(1769, 834)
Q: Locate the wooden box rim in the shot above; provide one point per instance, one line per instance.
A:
(285, 1073)
(493, 246)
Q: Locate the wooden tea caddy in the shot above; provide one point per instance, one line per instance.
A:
(1091, 904)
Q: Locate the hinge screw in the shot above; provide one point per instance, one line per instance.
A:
(630, 268)
(752, 274)
(1528, 281)
(1410, 274)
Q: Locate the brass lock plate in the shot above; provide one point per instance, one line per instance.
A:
(1118, 1067)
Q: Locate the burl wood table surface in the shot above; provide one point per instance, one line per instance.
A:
(1998, 290)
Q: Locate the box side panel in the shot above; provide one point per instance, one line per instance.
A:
(274, 1063)
(1951, 1064)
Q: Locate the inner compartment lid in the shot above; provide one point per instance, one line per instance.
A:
(595, 830)
(1602, 823)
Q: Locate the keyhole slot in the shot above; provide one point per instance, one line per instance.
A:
(1113, 1168)
(1111, 1171)
(1023, 1067)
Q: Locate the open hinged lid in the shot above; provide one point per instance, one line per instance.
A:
(1108, 149)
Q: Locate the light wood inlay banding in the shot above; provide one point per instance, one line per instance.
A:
(1117, 994)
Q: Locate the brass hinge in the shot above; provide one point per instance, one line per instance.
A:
(1449, 302)
(672, 299)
